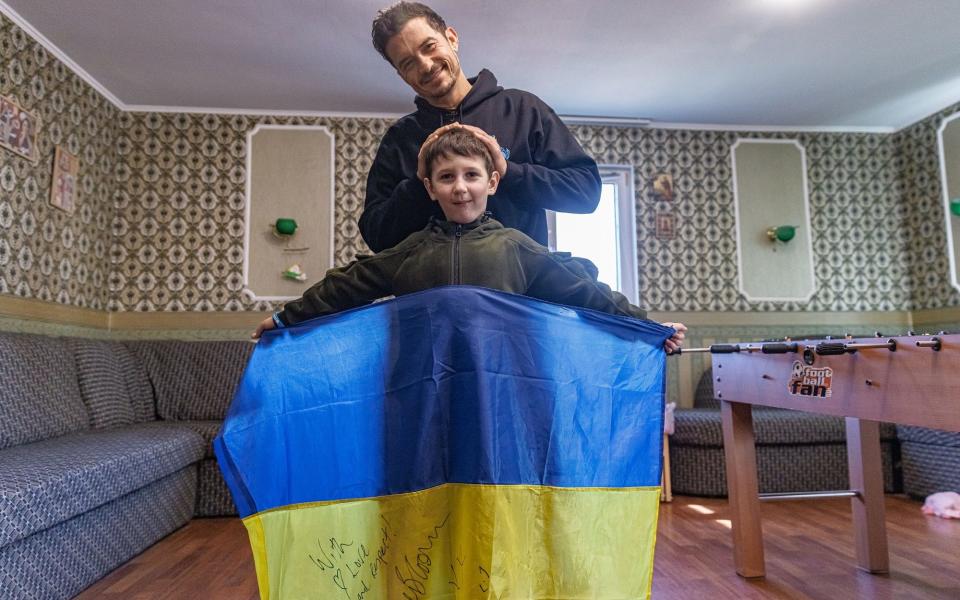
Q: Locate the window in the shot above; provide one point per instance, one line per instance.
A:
(607, 236)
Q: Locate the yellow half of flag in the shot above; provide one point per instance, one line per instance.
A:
(460, 541)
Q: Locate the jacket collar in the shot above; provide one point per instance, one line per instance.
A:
(449, 227)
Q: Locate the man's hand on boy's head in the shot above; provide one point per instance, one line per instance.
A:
(421, 165)
(676, 340)
(499, 162)
(264, 325)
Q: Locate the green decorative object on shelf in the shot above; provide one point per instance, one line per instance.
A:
(955, 206)
(782, 233)
(285, 226)
(294, 272)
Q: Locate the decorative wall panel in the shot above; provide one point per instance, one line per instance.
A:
(919, 169)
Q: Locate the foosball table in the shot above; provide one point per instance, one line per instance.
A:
(910, 380)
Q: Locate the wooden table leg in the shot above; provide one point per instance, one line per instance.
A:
(666, 490)
(741, 459)
(866, 477)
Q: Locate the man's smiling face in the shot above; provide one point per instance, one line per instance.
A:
(426, 59)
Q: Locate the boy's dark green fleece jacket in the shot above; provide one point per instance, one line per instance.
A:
(483, 253)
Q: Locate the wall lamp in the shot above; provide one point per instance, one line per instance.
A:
(782, 233)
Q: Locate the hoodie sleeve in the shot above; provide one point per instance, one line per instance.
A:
(561, 177)
(395, 205)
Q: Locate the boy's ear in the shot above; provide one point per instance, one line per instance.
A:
(429, 186)
(494, 182)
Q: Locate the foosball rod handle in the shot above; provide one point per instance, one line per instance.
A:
(714, 349)
(931, 343)
(835, 348)
(780, 347)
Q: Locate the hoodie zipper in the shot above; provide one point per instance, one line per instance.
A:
(455, 263)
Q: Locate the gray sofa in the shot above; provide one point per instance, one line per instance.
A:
(930, 459)
(105, 448)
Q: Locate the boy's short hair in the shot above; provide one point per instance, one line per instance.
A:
(459, 142)
(389, 21)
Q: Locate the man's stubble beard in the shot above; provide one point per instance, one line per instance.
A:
(454, 71)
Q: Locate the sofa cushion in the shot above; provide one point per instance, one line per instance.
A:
(103, 369)
(193, 380)
(771, 426)
(207, 430)
(924, 435)
(213, 496)
(929, 468)
(48, 482)
(39, 395)
(59, 562)
(703, 397)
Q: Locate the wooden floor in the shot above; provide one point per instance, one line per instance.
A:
(808, 546)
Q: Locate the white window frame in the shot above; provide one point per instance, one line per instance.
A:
(622, 177)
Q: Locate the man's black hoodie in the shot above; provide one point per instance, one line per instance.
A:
(546, 168)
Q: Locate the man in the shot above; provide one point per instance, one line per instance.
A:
(541, 165)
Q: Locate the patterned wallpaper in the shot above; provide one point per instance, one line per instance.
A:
(160, 220)
(180, 206)
(44, 252)
(923, 198)
(859, 245)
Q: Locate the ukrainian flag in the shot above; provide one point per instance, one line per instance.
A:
(455, 443)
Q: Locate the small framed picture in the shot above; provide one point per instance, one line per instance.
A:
(63, 187)
(661, 188)
(18, 129)
(666, 223)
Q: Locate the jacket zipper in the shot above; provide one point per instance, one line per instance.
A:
(455, 263)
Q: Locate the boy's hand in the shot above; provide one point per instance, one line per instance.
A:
(676, 340)
(264, 325)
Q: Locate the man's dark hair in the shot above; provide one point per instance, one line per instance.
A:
(389, 21)
(458, 142)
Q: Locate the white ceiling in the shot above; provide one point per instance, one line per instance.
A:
(848, 64)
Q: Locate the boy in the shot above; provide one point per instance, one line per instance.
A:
(468, 248)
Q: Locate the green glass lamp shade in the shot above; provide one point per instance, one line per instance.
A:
(955, 206)
(285, 226)
(782, 233)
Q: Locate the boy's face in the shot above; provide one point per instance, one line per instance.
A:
(461, 185)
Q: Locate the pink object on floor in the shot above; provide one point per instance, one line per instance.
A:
(943, 504)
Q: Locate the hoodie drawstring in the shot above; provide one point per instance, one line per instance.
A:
(452, 116)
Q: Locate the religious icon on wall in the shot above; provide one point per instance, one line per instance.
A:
(662, 187)
(63, 186)
(18, 129)
(666, 225)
